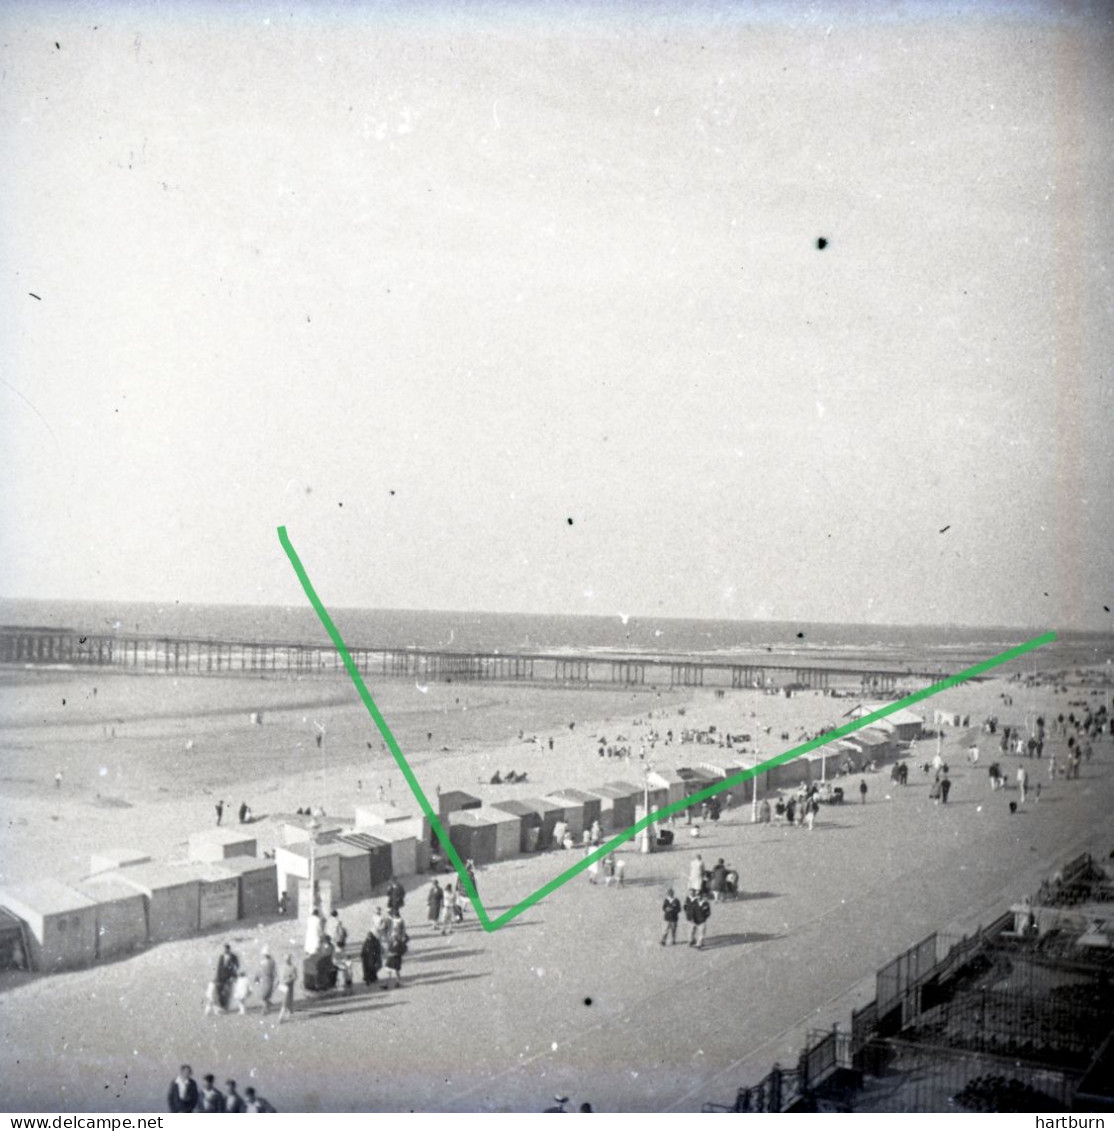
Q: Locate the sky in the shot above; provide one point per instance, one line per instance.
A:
(523, 307)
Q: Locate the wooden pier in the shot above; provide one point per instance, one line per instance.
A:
(60, 648)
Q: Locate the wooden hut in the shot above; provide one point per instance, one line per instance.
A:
(376, 814)
(121, 915)
(171, 898)
(402, 852)
(529, 822)
(508, 832)
(211, 845)
(669, 785)
(904, 725)
(572, 812)
(473, 836)
(258, 885)
(875, 744)
(549, 812)
(218, 896)
(61, 923)
(618, 801)
(13, 942)
(455, 800)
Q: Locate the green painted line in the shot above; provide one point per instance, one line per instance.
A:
(584, 862)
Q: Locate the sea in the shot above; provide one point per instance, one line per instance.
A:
(931, 645)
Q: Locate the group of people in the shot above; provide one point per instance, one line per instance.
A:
(185, 1096)
(384, 947)
(611, 867)
(697, 911)
(245, 812)
(232, 986)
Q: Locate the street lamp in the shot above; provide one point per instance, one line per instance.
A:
(647, 846)
(314, 826)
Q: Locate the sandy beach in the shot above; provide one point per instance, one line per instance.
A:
(552, 1002)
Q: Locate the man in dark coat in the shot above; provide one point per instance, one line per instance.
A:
(435, 900)
(371, 958)
(183, 1091)
(396, 896)
(212, 1098)
(671, 912)
(228, 970)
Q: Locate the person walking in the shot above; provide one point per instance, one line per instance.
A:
(945, 788)
(435, 900)
(696, 873)
(396, 897)
(719, 880)
(699, 911)
(448, 911)
(1022, 782)
(183, 1091)
(228, 970)
(315, 932)
(338, 932)
(289, 977)
(371, 958)
(267, 978)
(671, 912)
(863, 790)
(397, 944)
(220, 811)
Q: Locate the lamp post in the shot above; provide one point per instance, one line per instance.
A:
(313, 828)
(646, 838)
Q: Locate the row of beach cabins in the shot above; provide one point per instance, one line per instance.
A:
(129, 900)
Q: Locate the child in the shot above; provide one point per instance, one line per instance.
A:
(241, 991)
(212, 999)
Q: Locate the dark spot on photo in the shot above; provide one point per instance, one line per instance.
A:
(569, 521)
(821, 243)
(587, 1001)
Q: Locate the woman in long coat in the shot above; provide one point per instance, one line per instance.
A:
(436, 899)
(371, 956)
(396, 948)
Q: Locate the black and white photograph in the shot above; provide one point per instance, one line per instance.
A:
(557, 556)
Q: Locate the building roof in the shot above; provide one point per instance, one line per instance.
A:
(45, 897)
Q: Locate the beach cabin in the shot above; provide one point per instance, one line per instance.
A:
(875, 744)
(297, 830)
(666, 787)
(218, 844)
(572, 812)
(112, 858)
(121, 915)
(529, 822)
(695, 780)
(354, 864)
(403, 854)
(61, 923)
(508, 832)
(591, 806)
(292, 864)
(549, 813)
(473, 836)
(618, 801)
(376, 814)
(171, 898)
(13, 947)
(904, 725)
(218, 896)
(719, 772)
(942, 718)
(258, 885)
(455, 800)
